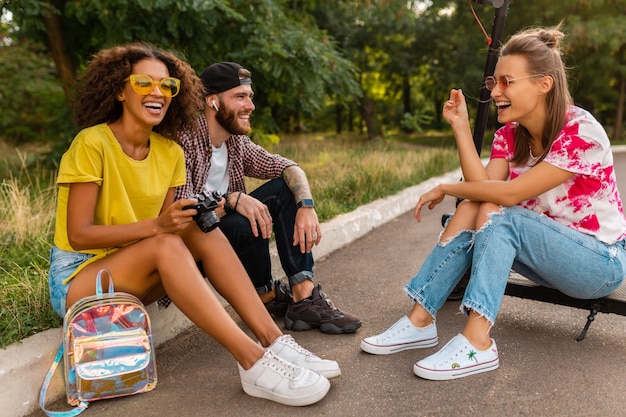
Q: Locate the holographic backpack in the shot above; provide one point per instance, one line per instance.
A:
(107, 349)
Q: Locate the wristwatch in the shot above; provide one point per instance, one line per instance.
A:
(307, 202)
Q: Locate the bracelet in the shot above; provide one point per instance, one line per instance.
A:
(227, 207)
(237, 201)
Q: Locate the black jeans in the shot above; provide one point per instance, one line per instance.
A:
(254, 251)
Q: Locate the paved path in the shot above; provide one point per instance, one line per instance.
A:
(543, 370)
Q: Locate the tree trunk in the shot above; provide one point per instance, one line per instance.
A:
(406, 93)
(62, 61)
(338, 117)
(437, 110)
(619, 110)
(368, 113)
(351, 118)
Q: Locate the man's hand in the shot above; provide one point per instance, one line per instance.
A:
(257, 214)
(306, 231)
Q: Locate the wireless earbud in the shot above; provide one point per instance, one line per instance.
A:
(215, 105)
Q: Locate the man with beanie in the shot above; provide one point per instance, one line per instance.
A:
(219, 154)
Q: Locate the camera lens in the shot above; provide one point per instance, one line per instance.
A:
(207, 221)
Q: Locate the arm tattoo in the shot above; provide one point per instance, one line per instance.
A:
(297, 182)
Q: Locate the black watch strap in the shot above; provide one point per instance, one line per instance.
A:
(307, 202)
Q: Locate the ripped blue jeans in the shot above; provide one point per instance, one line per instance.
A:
(541, 249)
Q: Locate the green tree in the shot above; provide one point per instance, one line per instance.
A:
(458, 51)
(295, 64)
(595, 50)
(409, 56)
(31, 94)
(377, 36)
(382, 60)
(598, 41)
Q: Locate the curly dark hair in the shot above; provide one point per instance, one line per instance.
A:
(103, 79)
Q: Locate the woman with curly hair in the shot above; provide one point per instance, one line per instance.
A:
(546, 205)
(116, 210)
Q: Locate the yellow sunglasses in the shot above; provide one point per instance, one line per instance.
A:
(144, 84)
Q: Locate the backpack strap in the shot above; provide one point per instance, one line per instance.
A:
(99, 282)
(44, 387)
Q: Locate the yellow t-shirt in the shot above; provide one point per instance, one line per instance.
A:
(130, 190)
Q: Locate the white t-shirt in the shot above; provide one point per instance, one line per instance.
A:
(218, 174)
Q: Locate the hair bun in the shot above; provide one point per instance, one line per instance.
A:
(551, 37)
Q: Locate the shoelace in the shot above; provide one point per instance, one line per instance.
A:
(291, 342)
(326, 300)
(286, 369)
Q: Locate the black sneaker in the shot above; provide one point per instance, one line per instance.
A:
(278, 305)
(318, 311)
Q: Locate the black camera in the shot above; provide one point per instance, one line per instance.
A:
(206, 219)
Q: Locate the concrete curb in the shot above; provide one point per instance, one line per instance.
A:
(23, 365)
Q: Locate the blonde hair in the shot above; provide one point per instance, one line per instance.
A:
(541, 48)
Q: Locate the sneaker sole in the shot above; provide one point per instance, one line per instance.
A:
(299, 326)
(389, 349)
(329, 373)
(259, 392)
(455, 373)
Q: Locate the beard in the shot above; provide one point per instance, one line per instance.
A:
(229, 121)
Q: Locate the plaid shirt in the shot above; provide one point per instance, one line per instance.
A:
(245, 159)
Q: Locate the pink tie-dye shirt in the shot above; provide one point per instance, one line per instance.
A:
(589, 201)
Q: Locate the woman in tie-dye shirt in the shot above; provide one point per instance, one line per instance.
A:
(546, 205)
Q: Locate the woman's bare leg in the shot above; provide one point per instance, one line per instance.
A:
(477, 330)
(464, 218)
(229, 278)
(164, 260)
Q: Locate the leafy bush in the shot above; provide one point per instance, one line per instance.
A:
(33, 102)
(415, 122)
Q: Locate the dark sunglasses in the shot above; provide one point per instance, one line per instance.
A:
(504, 81)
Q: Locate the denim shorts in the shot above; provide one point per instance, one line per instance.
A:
(62, 265)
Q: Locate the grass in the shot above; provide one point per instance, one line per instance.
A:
(14, 159)
(27, 202)
(344, 171)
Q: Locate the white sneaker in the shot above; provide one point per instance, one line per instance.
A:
(401, 336)
(458, 358)
(275, 379)
(288, 349)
